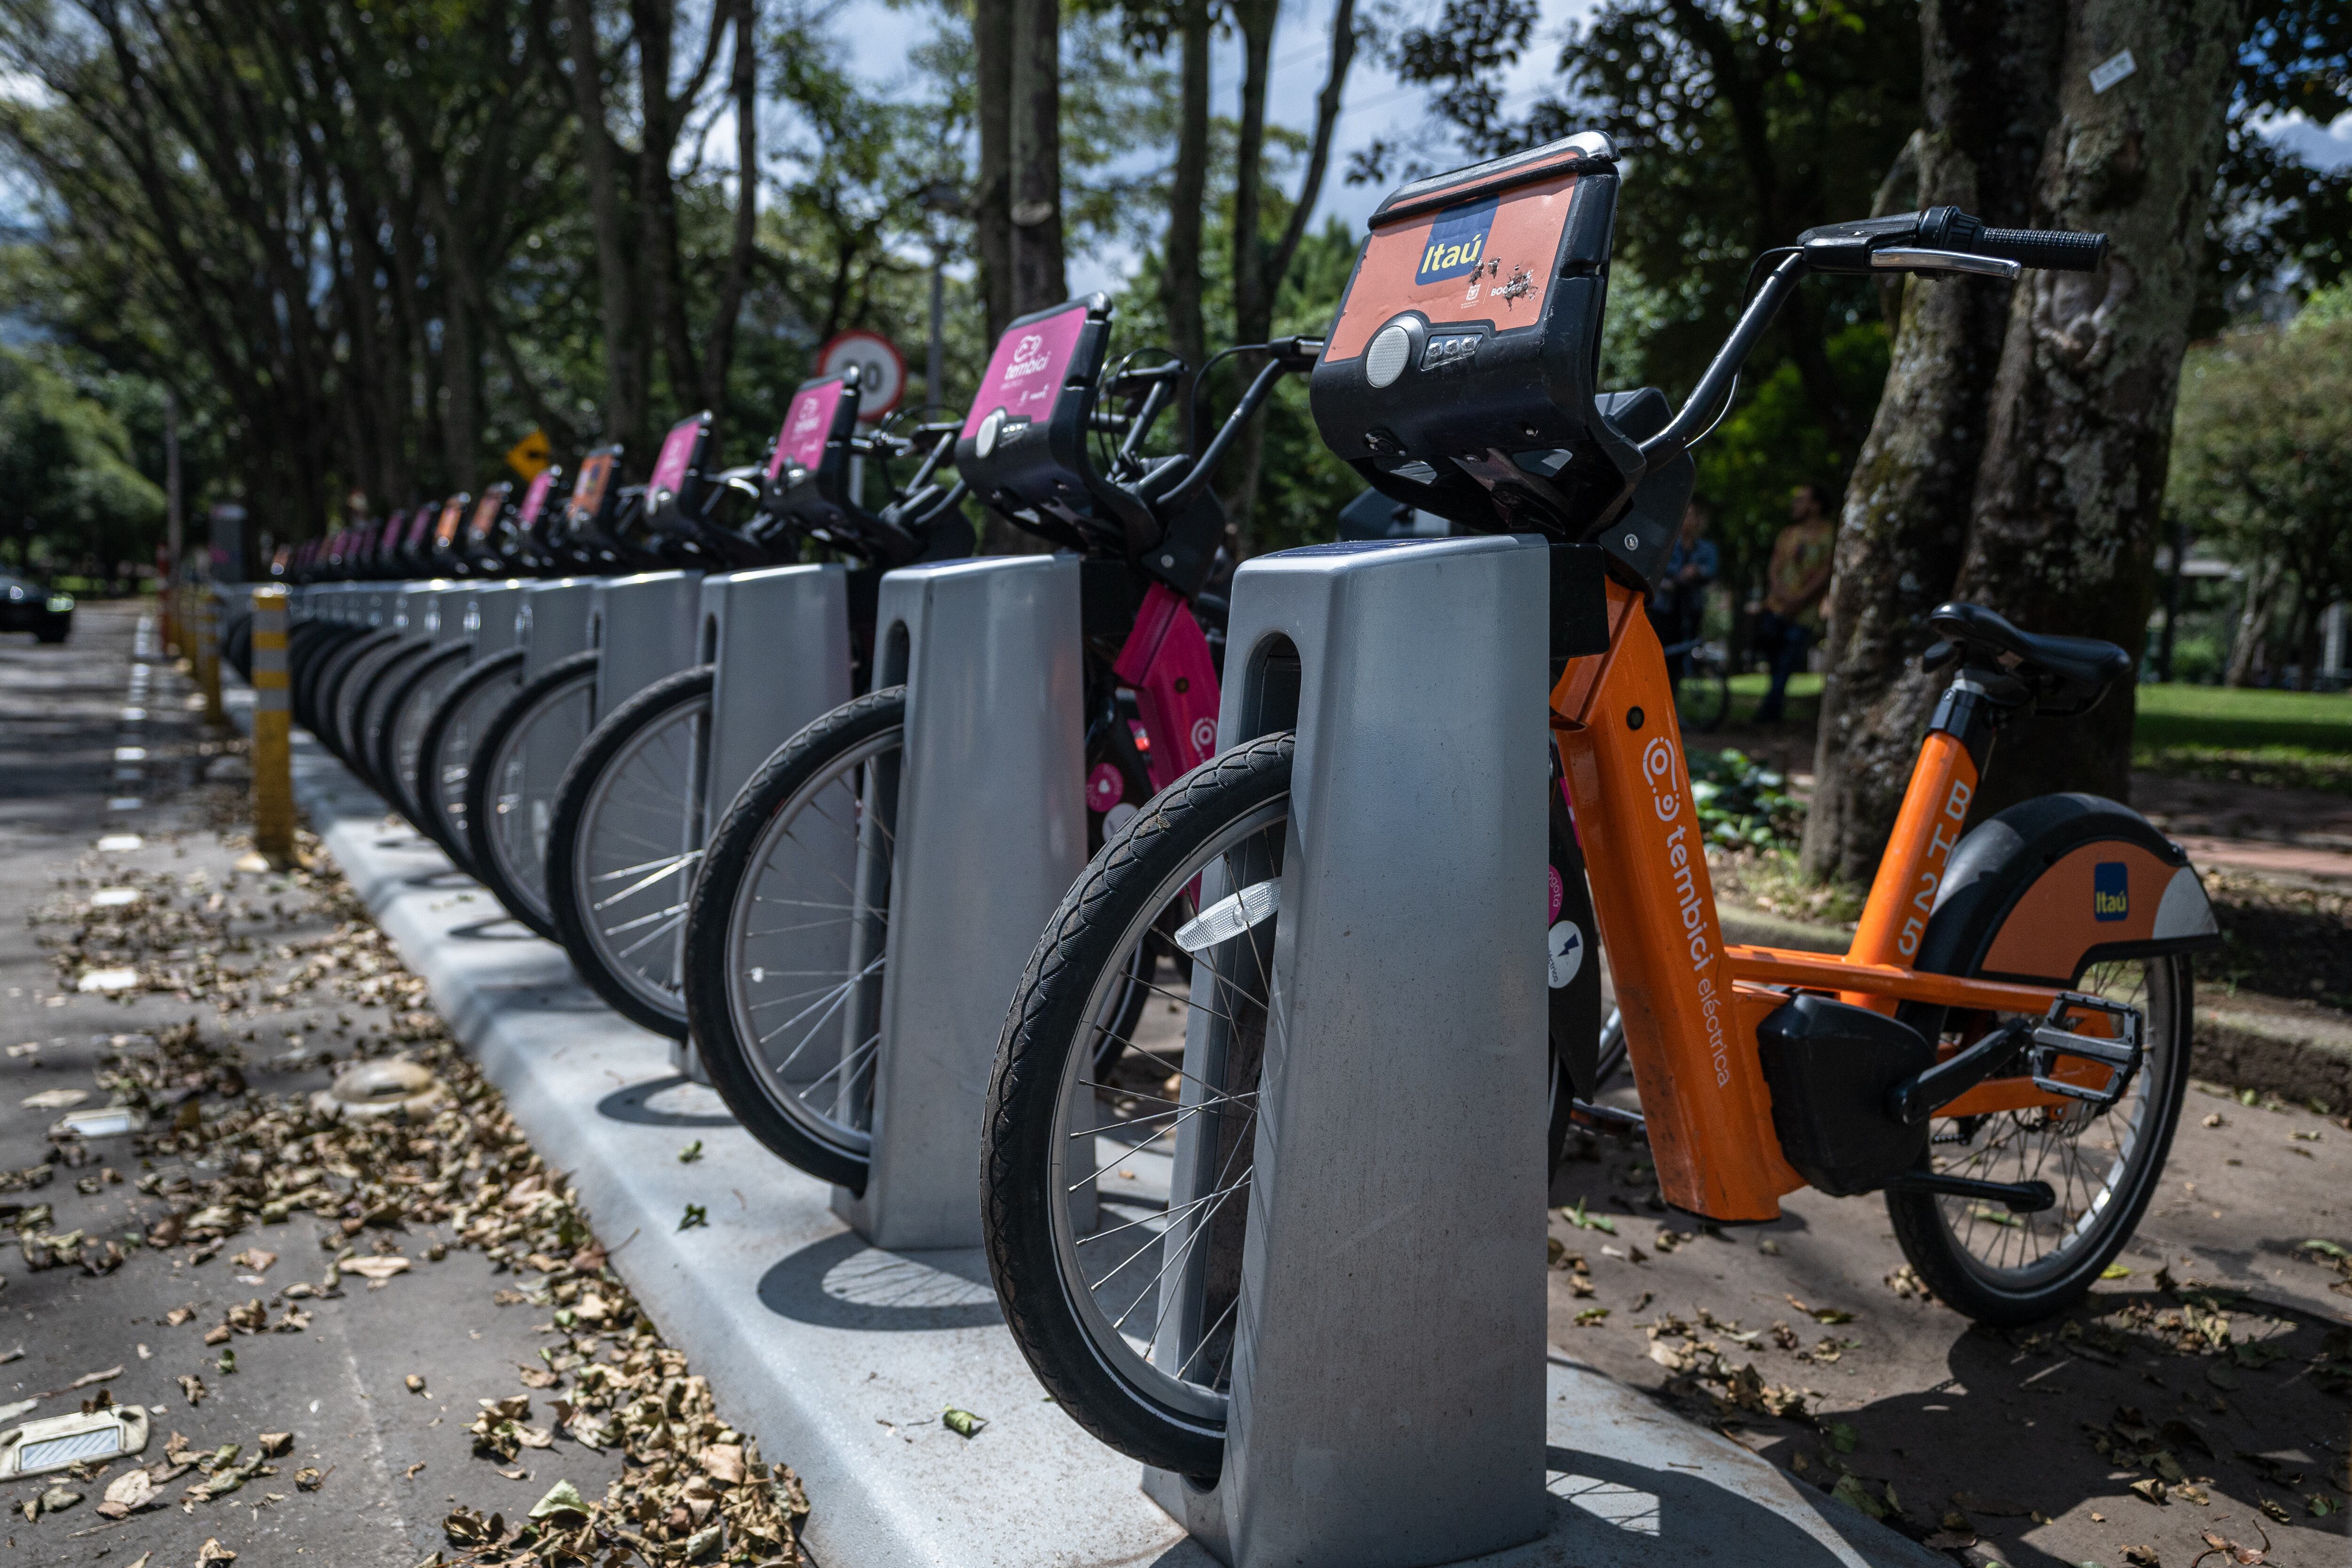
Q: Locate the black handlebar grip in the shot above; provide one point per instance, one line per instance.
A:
(2052, 249)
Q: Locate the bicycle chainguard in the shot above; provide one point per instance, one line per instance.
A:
(2119, 1053)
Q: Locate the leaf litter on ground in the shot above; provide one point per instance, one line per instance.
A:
(229, 1161)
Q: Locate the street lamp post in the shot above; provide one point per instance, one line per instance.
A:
(940, 197)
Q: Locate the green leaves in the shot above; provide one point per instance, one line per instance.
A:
(1577, 1218)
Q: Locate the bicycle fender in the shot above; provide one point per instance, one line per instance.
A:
(2042, 891)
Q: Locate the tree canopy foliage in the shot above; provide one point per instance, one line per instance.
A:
(2262, 458)
(71, 497)
(375, 242)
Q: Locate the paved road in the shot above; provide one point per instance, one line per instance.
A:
(395, 1460)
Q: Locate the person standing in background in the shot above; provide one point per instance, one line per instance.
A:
(1795, 584)
(1679, 606)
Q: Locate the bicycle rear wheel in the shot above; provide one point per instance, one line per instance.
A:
(787, 939)
(2003, 1267)
(627, 840)
(511, 780)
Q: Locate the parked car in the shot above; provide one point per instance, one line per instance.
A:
(29, 607)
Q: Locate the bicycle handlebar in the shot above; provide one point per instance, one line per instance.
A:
(1940, 239)
(1858, 247)
(1284, 356)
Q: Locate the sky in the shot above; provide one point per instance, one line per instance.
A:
(1374, 106)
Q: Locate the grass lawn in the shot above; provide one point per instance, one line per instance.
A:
(1803, 704)
(2296, 739)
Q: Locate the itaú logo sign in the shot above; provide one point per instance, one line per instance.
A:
(1457, 243)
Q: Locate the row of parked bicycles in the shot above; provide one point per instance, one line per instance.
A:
(2002, 1053)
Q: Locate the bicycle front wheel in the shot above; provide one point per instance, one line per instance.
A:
(510, 785)
(399, 739)
(626, 839)
(445, 753)
(1115, 1206)
(787, 937)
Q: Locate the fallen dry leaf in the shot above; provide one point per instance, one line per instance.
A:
(129, 1493)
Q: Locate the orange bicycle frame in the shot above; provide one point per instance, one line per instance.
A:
(1690, 1004)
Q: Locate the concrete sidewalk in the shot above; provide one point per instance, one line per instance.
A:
(841, 1358)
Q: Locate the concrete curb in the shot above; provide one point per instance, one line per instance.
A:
(842, 1357)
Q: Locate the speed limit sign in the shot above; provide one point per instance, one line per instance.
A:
(881, 370)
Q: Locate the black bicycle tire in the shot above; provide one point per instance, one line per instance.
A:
(436, 826)
(1024, 1113)
(1928, 1247)
(486, 868)
(309, 664)
(387, 741)
(731, 1062)
(237, 646)
(352, 696)
(367, 701)
(565, 902)
(306, 648)
(325, 702)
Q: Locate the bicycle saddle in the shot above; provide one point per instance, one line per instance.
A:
(2064, 673)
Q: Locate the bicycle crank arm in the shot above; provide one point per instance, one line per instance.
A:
(2019, 1197)
(1605, 1118)
(1917, 1097)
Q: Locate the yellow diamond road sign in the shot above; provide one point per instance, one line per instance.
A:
(529, 454)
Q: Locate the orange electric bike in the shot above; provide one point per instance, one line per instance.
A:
(2002, 1052)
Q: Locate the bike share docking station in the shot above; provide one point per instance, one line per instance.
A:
(778, 640)
(1401, 1110)
(643, 627)
(990, 823)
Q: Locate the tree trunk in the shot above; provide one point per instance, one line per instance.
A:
(1039, 279)
(991, 198)
(615, 273)
(2070, 488)
(1259, 268)
(1180, 279)
(2263, 580)
(719, 357)
(1989, 94)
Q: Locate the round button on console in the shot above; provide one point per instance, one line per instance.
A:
(1390, 352)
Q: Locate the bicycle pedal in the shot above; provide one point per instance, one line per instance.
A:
(2119, 1052)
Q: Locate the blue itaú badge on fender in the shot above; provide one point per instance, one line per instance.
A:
(2110, 890)
(1456, 244)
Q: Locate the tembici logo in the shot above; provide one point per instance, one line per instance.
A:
(1457, 243)
(2110, 890)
